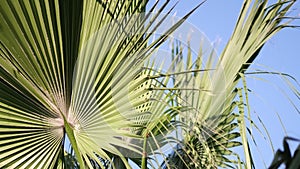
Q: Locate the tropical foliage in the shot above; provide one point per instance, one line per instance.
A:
(286, 157)
(82, 74)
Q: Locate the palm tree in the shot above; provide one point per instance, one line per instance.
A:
(82, 74)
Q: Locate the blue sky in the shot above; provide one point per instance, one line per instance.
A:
(270, 93)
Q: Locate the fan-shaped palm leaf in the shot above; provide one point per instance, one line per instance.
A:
(70, 68)
(82, 69)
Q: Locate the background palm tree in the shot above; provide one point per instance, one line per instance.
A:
(83, 73)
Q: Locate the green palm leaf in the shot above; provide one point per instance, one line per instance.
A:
(70, 68)
(211, 124)
(83, 72)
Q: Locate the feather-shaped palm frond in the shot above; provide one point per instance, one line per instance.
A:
(215, 116)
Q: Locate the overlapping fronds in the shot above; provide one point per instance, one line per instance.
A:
(69, 68)
(83, 70)
(216, 118)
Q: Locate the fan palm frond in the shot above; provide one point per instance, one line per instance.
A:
(83, 73)
(69, 68)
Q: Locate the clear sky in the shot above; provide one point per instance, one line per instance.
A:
(269, 96)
